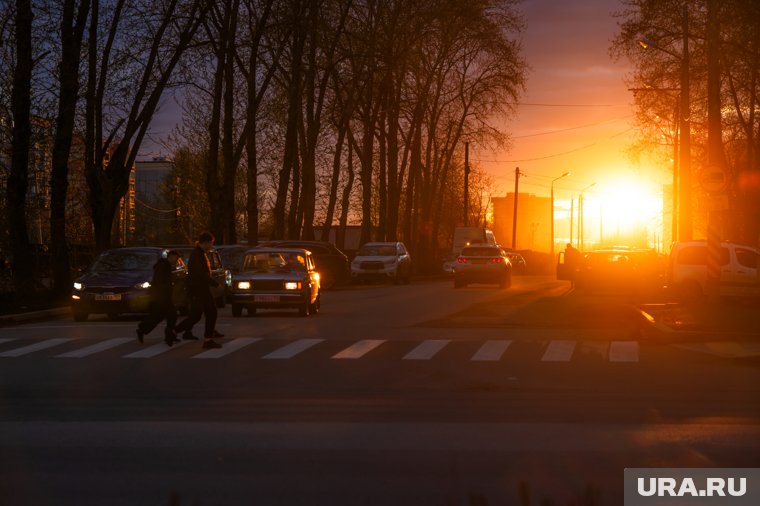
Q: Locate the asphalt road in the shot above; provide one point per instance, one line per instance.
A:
(392, 395)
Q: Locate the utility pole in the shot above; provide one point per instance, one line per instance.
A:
(514, 213)
(572, 212)
(466, 181)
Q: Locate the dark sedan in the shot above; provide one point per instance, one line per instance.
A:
(276, 278)
(118, 282)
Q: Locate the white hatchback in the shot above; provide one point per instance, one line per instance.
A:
(687, 270)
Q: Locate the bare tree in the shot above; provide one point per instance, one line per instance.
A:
(169, 28)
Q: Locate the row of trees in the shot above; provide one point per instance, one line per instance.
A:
(296, 113)
(720, 41)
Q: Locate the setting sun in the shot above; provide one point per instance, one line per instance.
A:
(630, 212)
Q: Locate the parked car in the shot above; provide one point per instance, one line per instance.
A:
(118, 282)
(276, 278)
(449, 264)
(332, 264)
(232, 255)
(382, 261)
(517, 261)
(221, 275)
(687, 269)
(620, 270)
(483, 264)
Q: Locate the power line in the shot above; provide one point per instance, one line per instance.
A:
(539, 104)
(613, 120)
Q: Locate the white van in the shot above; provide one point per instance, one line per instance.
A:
(465, 236)
(687, 270)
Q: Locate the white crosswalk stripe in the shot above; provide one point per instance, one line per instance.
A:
(427, 349)
(227, 348)
(559, 351)
(96, 348)
(491, 351)
(624, 351)
(292, 349)
(156, 349)
(43, 345)
(359, 349)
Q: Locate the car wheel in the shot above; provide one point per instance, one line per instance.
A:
(303, 310)
(251, 310)
(112, 315)
(506, 282)
(237, 310)
(458, 283)
(80, 316)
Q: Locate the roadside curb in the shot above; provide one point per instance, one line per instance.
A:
(32, 316)
(657, 331)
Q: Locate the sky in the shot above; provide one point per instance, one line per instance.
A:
(576, 114)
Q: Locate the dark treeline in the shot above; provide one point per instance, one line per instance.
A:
(722, 42)
(297, 114)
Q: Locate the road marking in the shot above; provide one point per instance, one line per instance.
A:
(359, 349)
(624, 351)
(293, 349)
(426, 349)
(95, 348)
(559, 351)
(6, 339)
(491, 351)
(228, 348)
(154, 350)
(36, 347)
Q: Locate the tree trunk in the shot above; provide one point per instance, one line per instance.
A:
(21, 104)
(71, 43)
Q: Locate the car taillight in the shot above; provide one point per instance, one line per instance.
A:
(496, 260)
(461, 260)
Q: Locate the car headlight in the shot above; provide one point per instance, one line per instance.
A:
(78, 285)
(143, 286)
(292, 285)
(244, 285)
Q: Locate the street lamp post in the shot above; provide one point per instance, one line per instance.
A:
(551, 221)
(684, 177)
(581, 239)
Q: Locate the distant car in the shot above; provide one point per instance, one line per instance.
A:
(483, 264)
(221, 275)
(738, 264)
(275, 278)
(620, 270)
(449, 264)
(332, 264)
(389, 261)
(232, 255)
(118, 282)
(517, 261)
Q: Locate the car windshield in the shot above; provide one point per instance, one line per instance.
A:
(274, 261)
(376, 251)
(480, 252)
(124, 261)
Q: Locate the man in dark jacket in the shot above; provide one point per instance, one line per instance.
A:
(199, 284)
(161, 303)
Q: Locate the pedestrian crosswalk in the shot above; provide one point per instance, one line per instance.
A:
(272, 349)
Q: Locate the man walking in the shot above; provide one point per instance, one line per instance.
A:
(161, 303)
(199, 284)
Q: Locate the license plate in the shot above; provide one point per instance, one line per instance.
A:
(266, 298)
(108, 296)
